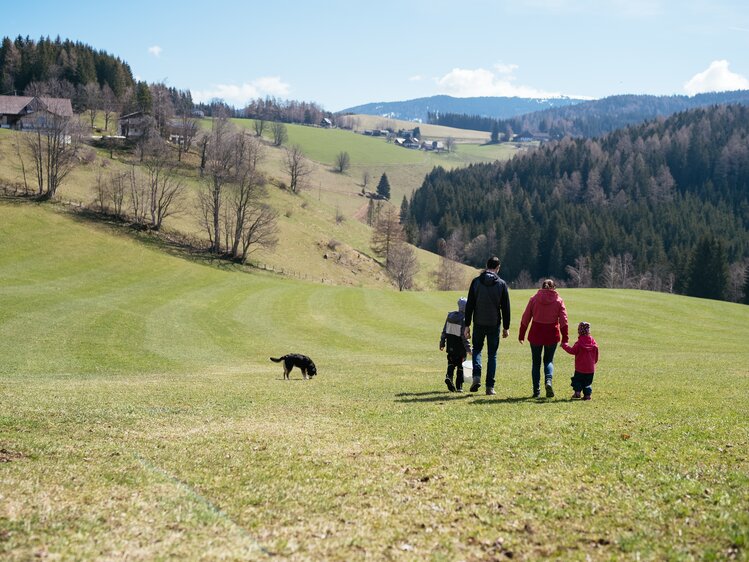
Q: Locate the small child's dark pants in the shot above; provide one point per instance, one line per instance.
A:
(455, 363)
(582, 381)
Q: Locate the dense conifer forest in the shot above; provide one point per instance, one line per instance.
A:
(639, 207)
(24, 61)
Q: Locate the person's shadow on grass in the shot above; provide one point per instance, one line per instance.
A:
(432, 396)
(516, 399)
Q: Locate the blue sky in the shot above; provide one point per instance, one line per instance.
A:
(345, 53)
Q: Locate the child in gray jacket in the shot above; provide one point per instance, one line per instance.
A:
(453, 335)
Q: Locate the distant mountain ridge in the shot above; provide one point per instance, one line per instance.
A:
(494, 107)
(598, 117)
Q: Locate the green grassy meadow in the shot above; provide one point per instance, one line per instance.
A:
(141, 418)
(307, 222)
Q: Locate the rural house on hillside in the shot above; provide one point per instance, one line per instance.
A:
(29, 112)
(133, 125)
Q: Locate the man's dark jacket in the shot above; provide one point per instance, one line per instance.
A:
(488, 301)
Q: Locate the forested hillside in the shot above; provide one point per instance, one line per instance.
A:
(629, 209)
(495, 107)
(590, 118)
(24, 61)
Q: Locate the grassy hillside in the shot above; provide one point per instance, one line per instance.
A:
(141, 418)
(307, 222)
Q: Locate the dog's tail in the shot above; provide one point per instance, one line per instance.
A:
(276, 359)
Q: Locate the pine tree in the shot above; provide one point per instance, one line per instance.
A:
(746, 286)
(708, 270)
(383, 188)
(495, 133)
(404, 210)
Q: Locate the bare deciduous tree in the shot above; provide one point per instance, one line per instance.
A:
(108, 104)
(162, 107)
(403, 265)
(259, 126)
(253, 223)
(365, 177)
(580, 274)
(54, 148)
(117, 190)
(450, 144)
(138, 191)
(523, 280)
(342, 162)
(280, 135)
(388, 231)
(232, 209)
(298, 167)
(448, 276)
(219, 166)
(92, 97)
(165, 188)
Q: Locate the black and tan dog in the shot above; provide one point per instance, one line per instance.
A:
(304, 363)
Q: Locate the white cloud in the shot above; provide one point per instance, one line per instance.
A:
(155, 50)
(463, 83)
(415, 78)
(238, 95)
(717, 78)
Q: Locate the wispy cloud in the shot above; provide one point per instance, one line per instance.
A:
(155, 50)
(415, 78)
(239, 94)
(463, 83)
(717, 78)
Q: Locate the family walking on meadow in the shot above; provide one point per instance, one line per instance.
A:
(488, 308)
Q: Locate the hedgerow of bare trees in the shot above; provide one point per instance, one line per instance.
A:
(232, 208)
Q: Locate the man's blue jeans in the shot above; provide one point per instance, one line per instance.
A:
(491, 333)
(548, 358)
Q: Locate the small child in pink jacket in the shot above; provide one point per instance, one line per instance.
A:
(585, 351)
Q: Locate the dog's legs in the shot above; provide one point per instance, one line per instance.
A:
(285, 373)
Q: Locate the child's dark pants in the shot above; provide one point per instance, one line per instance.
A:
(455, 365)
(582, 381)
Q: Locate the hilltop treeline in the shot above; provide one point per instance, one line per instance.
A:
(285, 111)
(628, 208)
(592, 118)
(463, 121)
(24, 61)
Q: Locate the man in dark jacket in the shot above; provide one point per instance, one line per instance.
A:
(488, 306)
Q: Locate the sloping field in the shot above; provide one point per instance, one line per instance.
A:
(427, 130)
(141, 419)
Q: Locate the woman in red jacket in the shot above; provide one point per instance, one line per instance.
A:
(546, 310)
